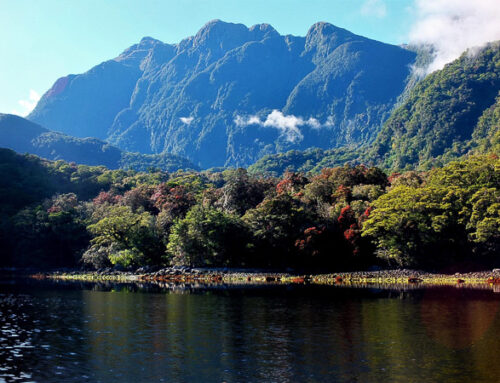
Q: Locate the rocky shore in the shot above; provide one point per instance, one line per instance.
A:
(184, 274)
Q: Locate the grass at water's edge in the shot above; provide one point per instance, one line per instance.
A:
(381, 278)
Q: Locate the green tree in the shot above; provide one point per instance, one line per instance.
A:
(52, 234)
(242, 192)
(484, 222)
(208, 237)
(275, 225)
(417, 226)
(131, 238)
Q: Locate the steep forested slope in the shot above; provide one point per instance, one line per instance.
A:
(441, 118)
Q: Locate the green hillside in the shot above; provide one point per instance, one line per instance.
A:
(24, 136)
(446, 115)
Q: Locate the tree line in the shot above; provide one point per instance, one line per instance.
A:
(58, 214)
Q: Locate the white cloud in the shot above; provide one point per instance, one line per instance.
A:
(374, 8)
(187, 120)
(453, 26)
(28, 105)
(329, 122)
(253, 120)
(313, 123)
(240, 121)
(419, 72)
(289, 126)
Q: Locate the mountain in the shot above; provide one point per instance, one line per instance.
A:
(24, 136)
(449, 114)
(446, 115)
(231, 94)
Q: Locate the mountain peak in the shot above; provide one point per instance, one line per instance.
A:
(263, 28)
(324, 29)
(217, 26)
(148, 41)
(6, 118)
(216, 31)
(201, 97)
(137, 52)
(324, 37)
(213, 23)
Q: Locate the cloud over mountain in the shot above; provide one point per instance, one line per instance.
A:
(28, 105)
(289, 126)
(186, 120)
(452, 26)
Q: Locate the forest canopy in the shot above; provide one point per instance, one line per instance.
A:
(56, 214)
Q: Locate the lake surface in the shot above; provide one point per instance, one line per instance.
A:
(125, 333)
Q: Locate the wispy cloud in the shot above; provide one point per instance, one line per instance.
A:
(374, 8)
(289, 126)
(27, 105)
(453, 26)
(187, 120)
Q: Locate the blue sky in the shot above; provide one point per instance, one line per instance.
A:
(44, 40)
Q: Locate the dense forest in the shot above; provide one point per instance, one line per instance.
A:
(445, 116)
(58, 214)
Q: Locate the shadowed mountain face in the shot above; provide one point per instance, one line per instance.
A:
(231, 94)
(24, 136)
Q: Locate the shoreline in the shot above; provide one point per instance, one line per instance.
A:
(183, 275)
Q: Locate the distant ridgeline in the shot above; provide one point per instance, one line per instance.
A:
(23, 136)
(231, 94)
(450, 113)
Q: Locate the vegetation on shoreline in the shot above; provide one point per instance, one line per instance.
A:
(193, 277)
(56, 214)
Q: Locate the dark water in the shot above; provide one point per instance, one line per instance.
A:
(91, 333)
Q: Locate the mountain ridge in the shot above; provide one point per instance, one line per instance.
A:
(185, 98)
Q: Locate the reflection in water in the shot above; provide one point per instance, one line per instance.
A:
(457, 322)
(78, 333)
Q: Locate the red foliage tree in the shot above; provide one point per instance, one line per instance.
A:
(175, 200)
(346, 217)
(292, 183)
(106, 197)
